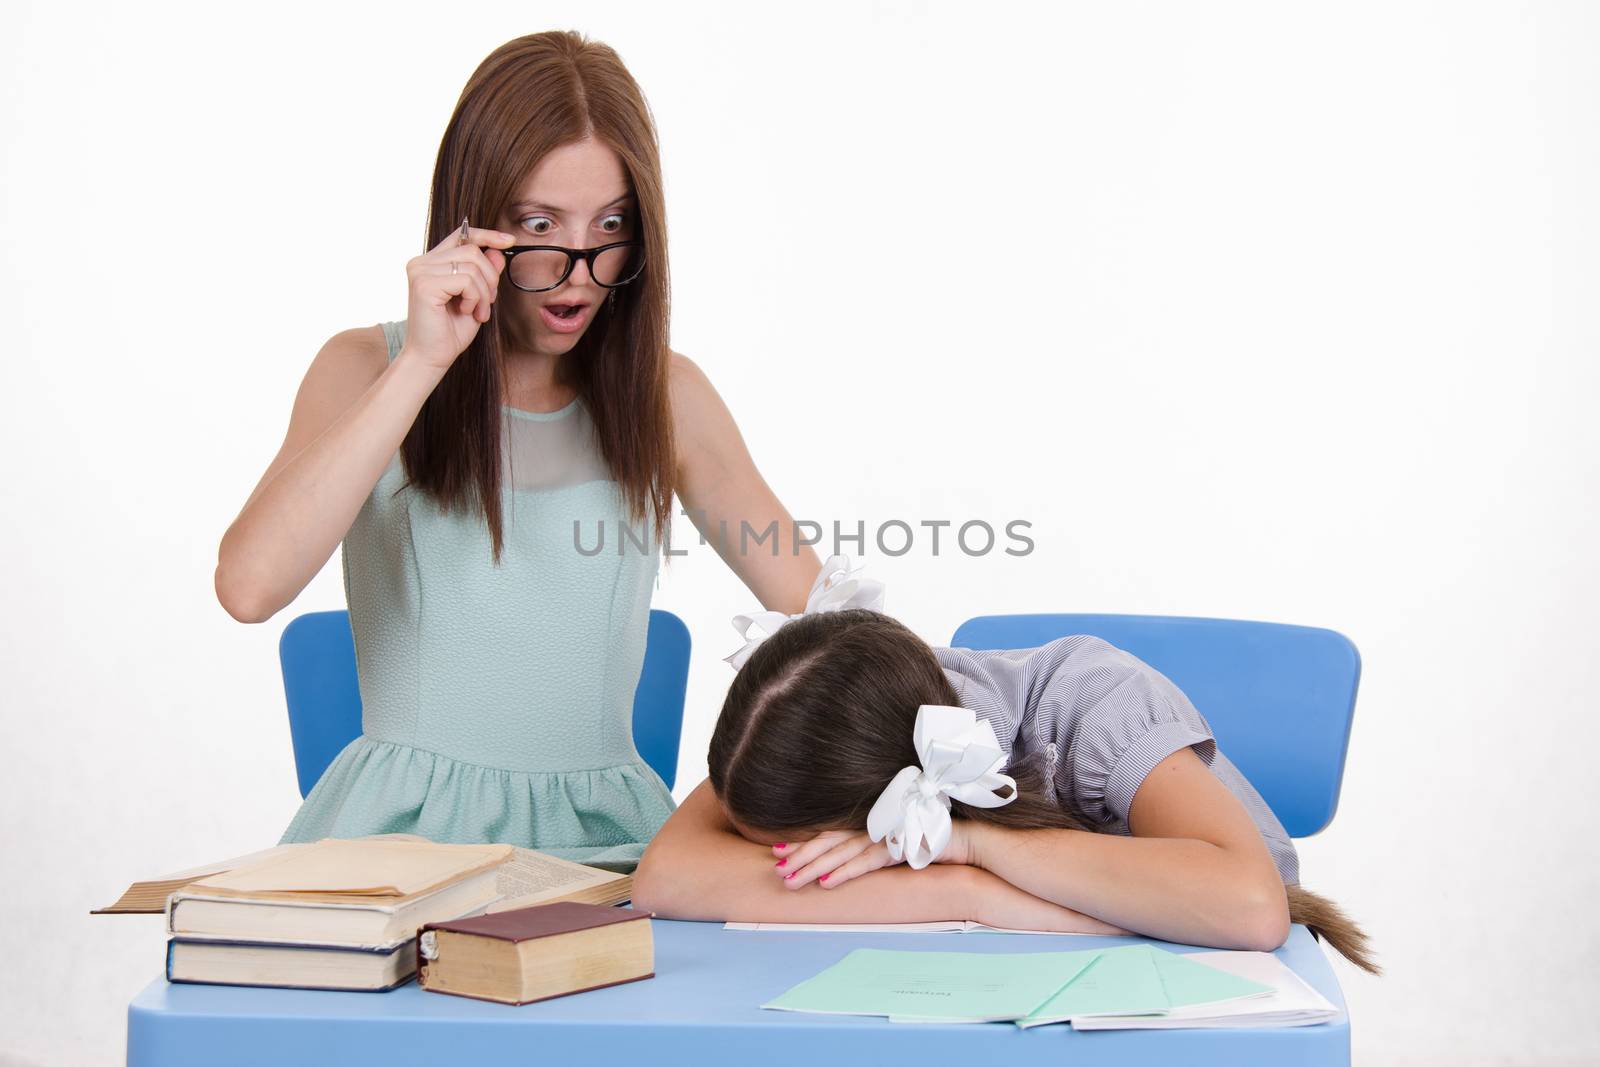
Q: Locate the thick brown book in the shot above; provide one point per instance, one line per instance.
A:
(518, 957)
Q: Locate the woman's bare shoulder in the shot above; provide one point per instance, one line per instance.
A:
(347, 364)
(684, 374)
(343, 369)
(364, 346)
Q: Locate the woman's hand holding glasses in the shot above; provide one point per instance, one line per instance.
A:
(453, 287)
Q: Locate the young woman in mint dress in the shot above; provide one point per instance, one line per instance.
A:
(470, 458)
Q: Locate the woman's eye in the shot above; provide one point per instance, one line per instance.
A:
(613, 223)
(538, 224)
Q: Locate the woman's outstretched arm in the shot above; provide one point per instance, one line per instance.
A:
(729, 502)
(698, 867)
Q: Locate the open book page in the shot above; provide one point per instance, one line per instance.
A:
(150, 895)
(530, 878)
(195, 873)
(357, 868)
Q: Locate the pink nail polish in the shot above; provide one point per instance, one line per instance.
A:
(824, 878)
(781, 862)
(781, 844)
(790, 875)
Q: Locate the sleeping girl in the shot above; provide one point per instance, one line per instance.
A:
(859, 775)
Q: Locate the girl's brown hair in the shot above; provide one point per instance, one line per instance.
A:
(530, 96)
(819, 720)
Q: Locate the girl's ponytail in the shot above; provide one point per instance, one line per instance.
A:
(1329, 923)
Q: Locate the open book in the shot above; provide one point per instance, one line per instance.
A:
(525, 879)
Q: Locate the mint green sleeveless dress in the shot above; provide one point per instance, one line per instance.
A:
(497, 701)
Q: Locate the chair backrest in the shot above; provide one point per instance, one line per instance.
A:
(318, 657)
(1279, 698)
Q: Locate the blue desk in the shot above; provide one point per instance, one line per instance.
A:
(702, 1008)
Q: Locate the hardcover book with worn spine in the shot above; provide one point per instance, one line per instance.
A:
(347, 968)
(530, 954)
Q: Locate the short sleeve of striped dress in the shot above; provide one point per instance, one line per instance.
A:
(1099, 719)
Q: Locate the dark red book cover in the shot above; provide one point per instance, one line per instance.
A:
(525, 924)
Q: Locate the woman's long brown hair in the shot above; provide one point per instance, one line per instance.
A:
(819, 720)
(530, 96)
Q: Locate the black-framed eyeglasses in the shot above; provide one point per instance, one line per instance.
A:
(540, 268)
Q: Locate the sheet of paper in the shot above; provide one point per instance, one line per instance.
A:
(935, 986)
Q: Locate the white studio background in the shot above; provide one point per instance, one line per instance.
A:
(1253, 310)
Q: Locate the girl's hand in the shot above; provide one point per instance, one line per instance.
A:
(444, 309)
(831, 858)
(834, 857)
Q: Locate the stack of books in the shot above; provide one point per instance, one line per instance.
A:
(344, 914)
(337, 915)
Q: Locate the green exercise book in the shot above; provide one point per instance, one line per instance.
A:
(1130, 982)
(1142, 980)
(936, 986)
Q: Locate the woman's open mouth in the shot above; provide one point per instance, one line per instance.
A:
(564, 317)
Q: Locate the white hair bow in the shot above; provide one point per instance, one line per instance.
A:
(960, 758)
(836, 588)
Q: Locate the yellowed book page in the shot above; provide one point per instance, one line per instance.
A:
(227, 865)
(384, 868)
(149, 895)
(257, 857)
(530, 878)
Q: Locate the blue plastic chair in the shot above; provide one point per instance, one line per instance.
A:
(318, 657)
(1279, 698)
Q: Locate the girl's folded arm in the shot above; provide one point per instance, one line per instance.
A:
(1196, 870)
(697, 867)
